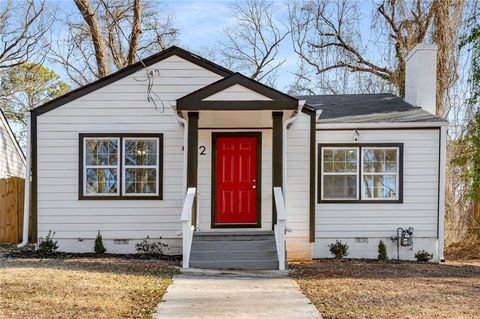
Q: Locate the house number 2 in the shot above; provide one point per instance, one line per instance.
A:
(202, 150)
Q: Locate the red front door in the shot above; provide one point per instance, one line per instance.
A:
(236, 180)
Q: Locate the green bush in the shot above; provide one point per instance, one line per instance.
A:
(382, 251)
(339, 249)
(423, 256)
(47, 245)
(99, 248)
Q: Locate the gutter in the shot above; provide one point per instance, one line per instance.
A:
(337, 126)
(184, 123)
(26, 199)
(286, 125)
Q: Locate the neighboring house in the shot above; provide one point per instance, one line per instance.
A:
(12, 159)
(351, 167)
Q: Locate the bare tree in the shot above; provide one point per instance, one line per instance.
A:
(252, 42)
(326, 37)
(107, 35)
(22, 29)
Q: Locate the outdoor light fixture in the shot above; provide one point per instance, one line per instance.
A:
(356, 135)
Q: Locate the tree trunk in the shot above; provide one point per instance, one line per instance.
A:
(136, 31)
(101, 55)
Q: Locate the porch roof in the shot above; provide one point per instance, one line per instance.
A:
(252, 96)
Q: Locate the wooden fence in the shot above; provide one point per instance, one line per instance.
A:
(11, 209)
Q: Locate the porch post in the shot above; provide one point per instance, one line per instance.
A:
(192, 160)
(277, 158)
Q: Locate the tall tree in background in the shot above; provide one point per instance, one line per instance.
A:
(326, 37)
(23, 26)
(25, 87)
(251, 43)
(466, 155)
(107, 35)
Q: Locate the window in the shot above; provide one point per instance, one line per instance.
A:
(121, 166)
(140, 166)
(380, 173)
(340, 172)
(360, 173)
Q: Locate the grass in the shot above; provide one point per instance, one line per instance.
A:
(82, 288)
(361, 289)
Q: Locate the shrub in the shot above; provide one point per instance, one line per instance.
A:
(99, 248)
(382, 251)
(150, 248)
(339, 250)
(47, 245)
(423, 256)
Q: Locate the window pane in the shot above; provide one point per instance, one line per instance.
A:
(101, 181)
(380, 160)
(380, 186)
(339, 187)
(140, 152)
(140, 180)
(340, 161)
(101, 152)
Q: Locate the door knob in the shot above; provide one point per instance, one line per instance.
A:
(254, 186)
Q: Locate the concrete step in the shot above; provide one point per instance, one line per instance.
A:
(232, 236)
(243, 255)
(236, 264)
(232, 245)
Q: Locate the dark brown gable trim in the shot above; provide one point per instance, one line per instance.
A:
(81, 137)
(312, 114)
(361, 201)
(279, 100)
(81, 91)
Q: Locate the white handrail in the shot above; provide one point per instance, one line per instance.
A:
(187, 227)
(281, 227)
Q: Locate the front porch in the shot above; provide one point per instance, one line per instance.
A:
(234, 160)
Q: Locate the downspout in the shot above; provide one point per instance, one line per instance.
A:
(26, 199)
(284, 155)
(441, 193)
(183, 122)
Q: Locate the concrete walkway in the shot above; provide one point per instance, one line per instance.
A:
(235, 295)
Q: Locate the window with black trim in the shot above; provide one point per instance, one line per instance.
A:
(120, 166)
(360, 173)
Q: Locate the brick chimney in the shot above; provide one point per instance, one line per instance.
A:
(421, 76)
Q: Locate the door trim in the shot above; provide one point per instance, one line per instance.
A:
(216, 135)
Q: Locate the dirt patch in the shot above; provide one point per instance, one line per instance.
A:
(362, 289)
(463, 251)
(82, 287)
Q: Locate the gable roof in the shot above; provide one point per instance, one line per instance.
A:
(128, 70)
(12, 136)
(199, 99)
(367, 108)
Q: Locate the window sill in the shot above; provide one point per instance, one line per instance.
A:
(156, 197)
(356, 201)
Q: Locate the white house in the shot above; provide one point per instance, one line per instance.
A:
(118, 155)
(12, 159)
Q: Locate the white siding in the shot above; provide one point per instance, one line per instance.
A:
(297, 188)
(11, 161)
(204, 178)
(380, 221)
(119, 107)
(237, 92)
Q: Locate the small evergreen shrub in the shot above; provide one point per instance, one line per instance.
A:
(150, 248)
(382, 251)
(339, 249)
(99, 248)
(48, 245)
(423, 256)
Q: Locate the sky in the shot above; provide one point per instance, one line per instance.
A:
(201, 25)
